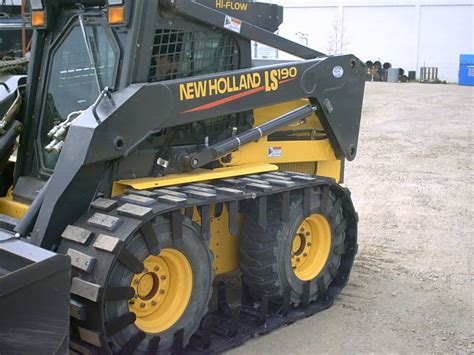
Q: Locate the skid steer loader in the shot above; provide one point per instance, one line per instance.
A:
(145, 148)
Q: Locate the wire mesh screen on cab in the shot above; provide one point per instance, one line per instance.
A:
(179, 54)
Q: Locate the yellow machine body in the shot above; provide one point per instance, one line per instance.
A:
(306, 156)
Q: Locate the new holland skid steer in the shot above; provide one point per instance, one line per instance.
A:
(144, 159)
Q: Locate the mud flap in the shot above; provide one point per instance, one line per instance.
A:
(34, 298)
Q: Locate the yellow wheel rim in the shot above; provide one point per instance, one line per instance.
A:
(311, 247)
(162, 291)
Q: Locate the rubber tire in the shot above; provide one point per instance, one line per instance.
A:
(265, 255)
(200, 258)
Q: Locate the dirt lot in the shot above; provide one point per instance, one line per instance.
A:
(411, 289)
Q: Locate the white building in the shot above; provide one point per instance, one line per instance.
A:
(407, 33)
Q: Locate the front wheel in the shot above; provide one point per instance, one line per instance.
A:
(148, 296)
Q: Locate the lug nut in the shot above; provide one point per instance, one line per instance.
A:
(309, 244)
(305, 255)
(156, 268)
(298, 260)
(163, 277)
(153, 303)
(162, 292)
(142, 305)
(135, 282)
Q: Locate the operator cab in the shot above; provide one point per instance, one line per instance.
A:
(90, 47)
(84, 61)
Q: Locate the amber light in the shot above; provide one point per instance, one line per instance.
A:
(38, 18)
(116, 15)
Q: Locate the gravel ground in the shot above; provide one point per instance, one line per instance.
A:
(411, 290)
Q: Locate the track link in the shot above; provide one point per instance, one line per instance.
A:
(97, 240)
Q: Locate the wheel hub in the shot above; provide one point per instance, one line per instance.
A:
(311, 247)
(148, 285)
(162, 291)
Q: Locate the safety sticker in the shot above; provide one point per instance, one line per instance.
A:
(274, 152)
(232, 24)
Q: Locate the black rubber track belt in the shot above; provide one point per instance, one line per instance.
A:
(96, 242)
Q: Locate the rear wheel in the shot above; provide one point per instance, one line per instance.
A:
(311, 247)
(286, 255)
(168, 292)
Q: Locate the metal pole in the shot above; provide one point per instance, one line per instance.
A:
(89, 51)
(26, 224)
(23, 27)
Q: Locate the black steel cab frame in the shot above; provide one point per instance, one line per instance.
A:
(114, 127)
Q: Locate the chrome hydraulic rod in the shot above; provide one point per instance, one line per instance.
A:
(214, 152)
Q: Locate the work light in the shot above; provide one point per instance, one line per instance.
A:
(117, 14)
(38, 14)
